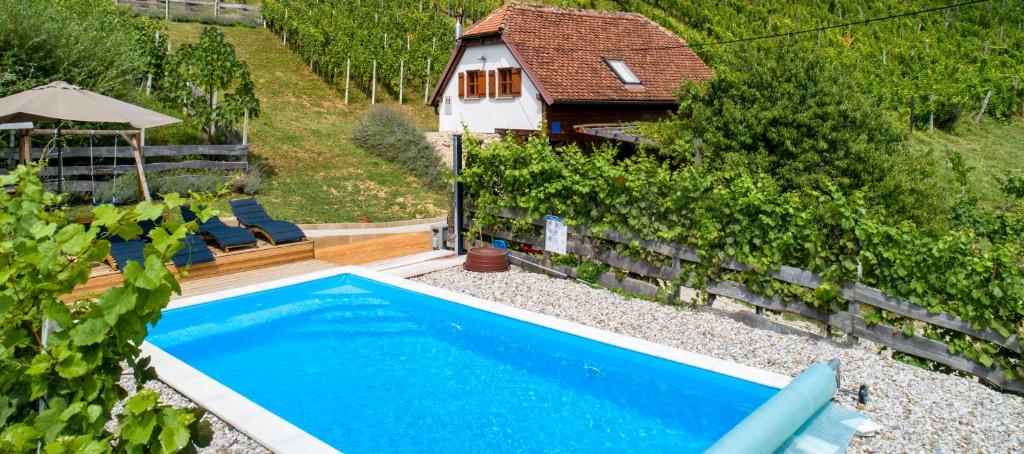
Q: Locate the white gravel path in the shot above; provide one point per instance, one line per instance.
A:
(922, 411)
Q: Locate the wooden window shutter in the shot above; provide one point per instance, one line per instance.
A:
(462, 85)
(481, 84)
(517, 81)
(492, 77)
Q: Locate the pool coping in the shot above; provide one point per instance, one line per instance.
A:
(280, 436)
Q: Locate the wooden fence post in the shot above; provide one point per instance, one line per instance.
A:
(216, 8)
(167, 9)
(348, 68)
(401, 81)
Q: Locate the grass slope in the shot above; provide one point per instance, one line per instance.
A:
(316, 174)
(991, 148)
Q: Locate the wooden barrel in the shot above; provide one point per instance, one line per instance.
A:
(486, 260)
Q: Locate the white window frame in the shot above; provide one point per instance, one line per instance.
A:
(622, 71)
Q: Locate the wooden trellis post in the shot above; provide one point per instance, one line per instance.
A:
(348, 69)
(373, 85)
(426, 83)
(401, 81)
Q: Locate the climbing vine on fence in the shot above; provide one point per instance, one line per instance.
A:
(60, 363)
(729, 215)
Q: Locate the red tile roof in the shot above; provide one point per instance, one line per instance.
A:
(563, 51)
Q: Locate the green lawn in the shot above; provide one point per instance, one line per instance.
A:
(991, 148)
(302, 141)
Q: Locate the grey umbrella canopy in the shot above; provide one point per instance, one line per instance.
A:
(63, 101)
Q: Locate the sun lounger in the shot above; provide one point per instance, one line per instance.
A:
(255, 218)
(123, 251)
(226, 236)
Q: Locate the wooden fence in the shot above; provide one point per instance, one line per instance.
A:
(850, 322)
(233, 157)
(196, 9)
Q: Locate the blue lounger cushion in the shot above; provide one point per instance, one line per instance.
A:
(124, 251)
(251, 214)
(194, 251)
(224, 235)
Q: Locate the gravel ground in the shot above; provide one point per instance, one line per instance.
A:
(922, 411)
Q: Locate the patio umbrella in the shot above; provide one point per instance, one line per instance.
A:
(62, 101)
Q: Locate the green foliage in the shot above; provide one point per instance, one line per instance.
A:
(62, 362)
(747, 216)
(94, 44)
(390, 134)
(803, 120)
(225, 87)
(944, 61)
(590, 270)
(331, 33)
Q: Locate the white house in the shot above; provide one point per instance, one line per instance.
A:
(526, 65)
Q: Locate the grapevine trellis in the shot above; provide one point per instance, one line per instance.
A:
(940, 67)
(397, 46)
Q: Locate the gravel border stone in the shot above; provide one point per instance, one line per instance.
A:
(922, 411)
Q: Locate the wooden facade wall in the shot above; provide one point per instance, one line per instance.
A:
(570, 115)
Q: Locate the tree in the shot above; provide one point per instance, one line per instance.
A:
(61, 363)
(804, 121)
(209, 83)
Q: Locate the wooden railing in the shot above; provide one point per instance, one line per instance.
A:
(233, 157)
(850, 321)
(196, 8)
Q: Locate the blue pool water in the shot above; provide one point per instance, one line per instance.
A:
(368, 367)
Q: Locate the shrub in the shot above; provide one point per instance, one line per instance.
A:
(389, 133)
(123, 189)
(804, 120)
(251, 181)
(90, 43)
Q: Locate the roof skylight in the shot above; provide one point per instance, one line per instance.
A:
(621, 69)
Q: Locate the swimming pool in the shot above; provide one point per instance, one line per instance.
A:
(370, 363)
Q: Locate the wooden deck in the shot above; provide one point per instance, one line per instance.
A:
(377, 249)
(237, 261)
(406, 255)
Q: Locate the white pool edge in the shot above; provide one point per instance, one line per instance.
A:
(283, 437)
(256, 422)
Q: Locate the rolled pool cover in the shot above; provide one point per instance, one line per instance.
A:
(774, 422)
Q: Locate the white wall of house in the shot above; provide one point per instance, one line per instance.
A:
(484, 114)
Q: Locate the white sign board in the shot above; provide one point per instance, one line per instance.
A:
(555, 235)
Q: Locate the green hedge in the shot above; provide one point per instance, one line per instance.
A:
(747, 217)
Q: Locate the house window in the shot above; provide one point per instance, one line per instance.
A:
(475, 84)
(509, 82)
(621, 69)
(447, 105)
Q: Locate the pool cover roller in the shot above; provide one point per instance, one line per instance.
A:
(774, 423)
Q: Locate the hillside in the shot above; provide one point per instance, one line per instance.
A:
(992, 149)
(301, 140)
(939, 65)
